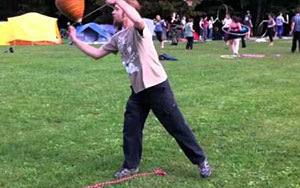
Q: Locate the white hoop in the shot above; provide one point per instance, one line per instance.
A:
(261, 25)
(237, 34)
(219, 9)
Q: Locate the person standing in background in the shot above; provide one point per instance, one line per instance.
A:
(279, 23)
(248, 23)
(159, 27)
(203, 24)
(211, 27)
(188, 34)
(175, 24)
(201, 29)
(182, 23)
(271, 28)
(295, 31)
(226, 24)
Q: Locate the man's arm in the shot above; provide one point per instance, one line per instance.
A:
(87, 49)
(131, 12)
(285, 21)
(292, 27)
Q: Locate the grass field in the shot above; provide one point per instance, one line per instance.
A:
(61, 116)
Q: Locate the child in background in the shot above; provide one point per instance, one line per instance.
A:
(188, 34)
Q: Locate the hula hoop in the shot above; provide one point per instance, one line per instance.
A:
(228, 56)
(219, 9)
(253, 56)
(260, 25)
(245, 30)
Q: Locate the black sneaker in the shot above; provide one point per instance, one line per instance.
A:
(125, 172)
(204, 169)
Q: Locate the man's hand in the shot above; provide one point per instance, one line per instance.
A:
(72, 33)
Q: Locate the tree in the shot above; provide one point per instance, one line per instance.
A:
(166, 7)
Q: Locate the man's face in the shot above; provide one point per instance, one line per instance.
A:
(118, 15)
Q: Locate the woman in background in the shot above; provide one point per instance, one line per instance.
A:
(234, 40)
(159, 25)
(271, 28)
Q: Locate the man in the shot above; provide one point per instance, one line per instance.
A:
(248, 23)
(279, 23)
(295, 31)
(150, 88)
(175, 28)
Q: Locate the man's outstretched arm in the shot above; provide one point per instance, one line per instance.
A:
(87, 49)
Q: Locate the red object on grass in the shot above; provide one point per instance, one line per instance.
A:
(253, 56)
(100, 185)
(196, 36)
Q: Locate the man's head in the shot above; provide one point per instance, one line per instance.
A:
(119, 15)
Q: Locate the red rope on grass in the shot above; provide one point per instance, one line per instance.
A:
(100, 185)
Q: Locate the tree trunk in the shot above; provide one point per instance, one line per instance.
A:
(261, 12)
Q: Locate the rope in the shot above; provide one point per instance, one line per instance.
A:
(113, 182)
(219, 8)
(95, 11)
(103, 6)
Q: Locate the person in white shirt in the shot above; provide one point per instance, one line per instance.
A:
(226, 24)
(279, 24)
(211, 27)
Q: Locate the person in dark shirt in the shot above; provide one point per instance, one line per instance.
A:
(248, 23)
(295, 31)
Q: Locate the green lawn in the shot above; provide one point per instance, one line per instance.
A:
(61, 116)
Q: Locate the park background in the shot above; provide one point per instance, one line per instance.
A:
(259, 9)
(61, 113)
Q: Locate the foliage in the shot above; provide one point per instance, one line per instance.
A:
(166, 7)
(259, 8)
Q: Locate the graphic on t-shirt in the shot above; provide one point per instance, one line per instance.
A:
(129, 56)
(130, 68)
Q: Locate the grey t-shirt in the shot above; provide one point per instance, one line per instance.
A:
(139, 57)
(296, 20)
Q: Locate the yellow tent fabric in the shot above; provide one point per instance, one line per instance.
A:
(33, 28)
(5, 33)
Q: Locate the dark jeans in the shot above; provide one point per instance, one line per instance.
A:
(204, 34)
(174, 36)
(271, 33)
(279, 31)
(161, 101)
(189, 44)
(243, 42)
(210, 33)
(296, 37)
